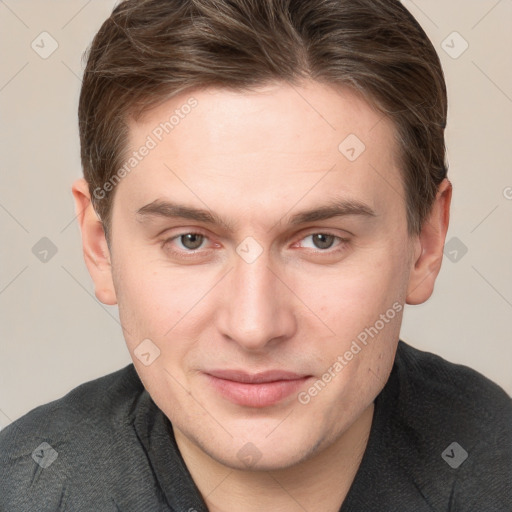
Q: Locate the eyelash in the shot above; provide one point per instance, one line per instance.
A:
(191, 254)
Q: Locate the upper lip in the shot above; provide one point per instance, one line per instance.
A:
(255, 378)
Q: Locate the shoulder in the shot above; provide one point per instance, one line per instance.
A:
(99, 401)
(458, 425)
(461, 389)
(79, 430)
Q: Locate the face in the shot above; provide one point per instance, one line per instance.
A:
(271, 316)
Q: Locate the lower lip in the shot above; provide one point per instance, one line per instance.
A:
(264, 394)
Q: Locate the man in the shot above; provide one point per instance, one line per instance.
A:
(265, 188)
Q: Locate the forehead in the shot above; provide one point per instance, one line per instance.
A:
(271, 147)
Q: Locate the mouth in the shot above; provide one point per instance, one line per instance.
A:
(257, 390)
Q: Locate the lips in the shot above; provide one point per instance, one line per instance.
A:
(261, 389)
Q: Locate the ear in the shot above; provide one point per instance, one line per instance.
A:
(95, 248)
(429, 247)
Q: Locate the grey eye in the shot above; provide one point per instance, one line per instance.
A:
(323, 241)
(191, 241)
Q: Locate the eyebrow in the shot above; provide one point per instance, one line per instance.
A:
(333, 208)
(168, 209)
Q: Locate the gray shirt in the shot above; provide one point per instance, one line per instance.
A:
(441, 440)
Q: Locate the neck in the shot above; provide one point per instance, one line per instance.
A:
(319, 483)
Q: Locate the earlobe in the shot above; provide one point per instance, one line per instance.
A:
(428, 253)
(95, 248)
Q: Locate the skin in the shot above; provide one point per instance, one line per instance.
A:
(256, 159)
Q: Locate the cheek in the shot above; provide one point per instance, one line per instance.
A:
(153, 299)
(158, 305)
(356, 294)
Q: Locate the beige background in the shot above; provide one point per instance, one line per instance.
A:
(54, 333)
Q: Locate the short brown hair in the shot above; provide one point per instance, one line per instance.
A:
(150, 50)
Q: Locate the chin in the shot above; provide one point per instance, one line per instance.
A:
(263, 454)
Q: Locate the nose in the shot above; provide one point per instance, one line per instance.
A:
(256, 307)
